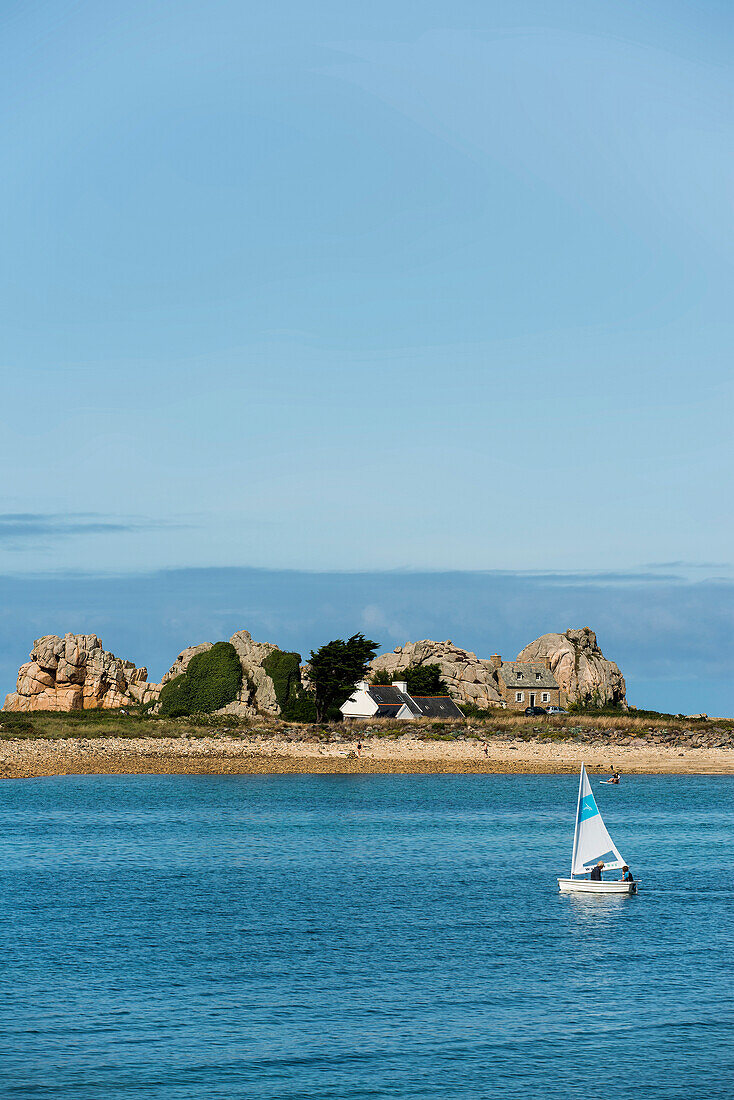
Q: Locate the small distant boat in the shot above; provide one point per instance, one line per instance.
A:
(591, 843)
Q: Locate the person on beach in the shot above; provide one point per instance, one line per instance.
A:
(486, 748)
(595, 875)
(359, 748)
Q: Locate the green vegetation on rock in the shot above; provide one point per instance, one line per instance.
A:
(284, 669)
(211, 680)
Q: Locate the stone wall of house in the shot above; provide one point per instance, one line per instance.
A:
(510, 691)
(581, 669)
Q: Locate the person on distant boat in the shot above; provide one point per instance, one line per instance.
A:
(614, 778)
(595, 875)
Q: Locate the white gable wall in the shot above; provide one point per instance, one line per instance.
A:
(360, 705)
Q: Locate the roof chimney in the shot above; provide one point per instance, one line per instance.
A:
(495, 660)
(401, 685)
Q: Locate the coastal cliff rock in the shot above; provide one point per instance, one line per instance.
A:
(76, 673)
(470, 679)
(581, 669)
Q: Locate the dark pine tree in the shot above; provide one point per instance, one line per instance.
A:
(335, 668)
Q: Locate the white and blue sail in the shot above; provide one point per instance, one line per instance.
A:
(591, 841)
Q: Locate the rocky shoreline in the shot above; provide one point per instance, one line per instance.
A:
(25, 758)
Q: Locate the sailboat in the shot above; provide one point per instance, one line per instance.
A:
(591, 843)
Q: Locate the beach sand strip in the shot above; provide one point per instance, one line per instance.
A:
(34, 757)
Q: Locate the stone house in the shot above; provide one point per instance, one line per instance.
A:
(527, 683)
(393, 701)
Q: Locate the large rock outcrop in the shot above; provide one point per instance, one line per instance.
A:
(258, 690)
(76, 673)
(581, 669)
(257, 694)
(470, 679)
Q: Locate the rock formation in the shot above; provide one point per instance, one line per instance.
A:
(257, 694)
(258, 691)
(470, 679)
(581, 669)
(181, 663)
(76, 673)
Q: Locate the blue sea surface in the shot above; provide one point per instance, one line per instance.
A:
(361, 936)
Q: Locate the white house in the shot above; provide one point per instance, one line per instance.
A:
(393, 701)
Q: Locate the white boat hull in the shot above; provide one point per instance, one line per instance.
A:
(586, 886)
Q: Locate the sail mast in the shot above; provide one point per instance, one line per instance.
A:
(578, 814)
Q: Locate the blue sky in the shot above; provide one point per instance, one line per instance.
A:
(439, 288)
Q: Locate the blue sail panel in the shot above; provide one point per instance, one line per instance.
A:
(588, 808)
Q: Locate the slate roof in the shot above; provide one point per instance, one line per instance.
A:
(516, 674)
(438, 706)
(390, 699)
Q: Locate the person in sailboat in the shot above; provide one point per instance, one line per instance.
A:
(593, 850)
(627, 875)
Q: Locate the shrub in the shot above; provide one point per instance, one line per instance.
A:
(471, 710)
(211, 680)
(594, 705)
(302, 708)
(421, 679)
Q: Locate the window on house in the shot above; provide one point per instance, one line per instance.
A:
(538, 675)
(519, 696)
(519, 675)
(546, 697)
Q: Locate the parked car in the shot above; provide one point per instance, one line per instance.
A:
(556, 710)
(532, 711)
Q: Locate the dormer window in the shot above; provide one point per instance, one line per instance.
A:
(519, 675)
(538, 675)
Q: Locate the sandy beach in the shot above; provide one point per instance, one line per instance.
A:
(28, 758)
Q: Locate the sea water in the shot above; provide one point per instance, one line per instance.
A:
(361, 936)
